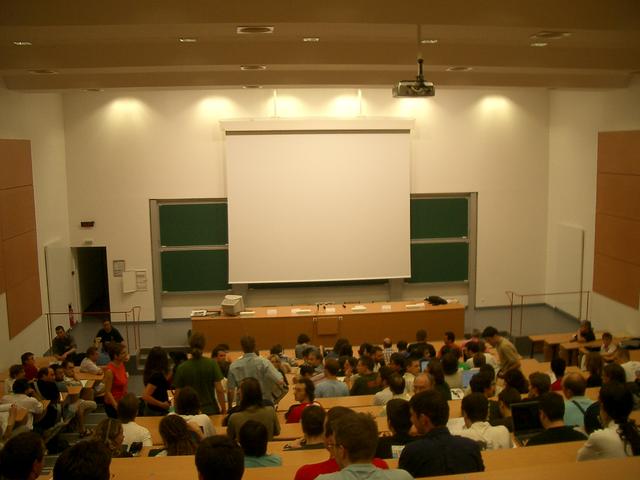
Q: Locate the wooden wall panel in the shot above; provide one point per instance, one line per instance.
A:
(617, 280)
(18, 211)
(15, 163)
(618, 238)
(20, 258)
(619, 152)
(619, 195)
(2, 272)
(23, 305)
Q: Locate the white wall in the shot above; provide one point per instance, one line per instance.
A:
(124, 148)
(38, 118)
(576, 117)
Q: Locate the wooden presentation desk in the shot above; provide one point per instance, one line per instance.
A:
(324, 328)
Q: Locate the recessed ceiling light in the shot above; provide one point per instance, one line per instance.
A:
(187, 40)
(311, 39)
(539, 44)
(253, 67)
(254, 29)
(251, 86)
(429, 41)
(22, 43)
(43, 72)
(459, 69)
(92, 89)
(550, 35)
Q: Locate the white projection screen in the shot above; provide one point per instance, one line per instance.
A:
(324, 205)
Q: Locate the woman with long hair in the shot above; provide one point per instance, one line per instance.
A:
(251, 408)
(619, 436)
(188, 407)
(109, 432)
(156, 379)
(178, 437)
(594, 365)
(116, 379)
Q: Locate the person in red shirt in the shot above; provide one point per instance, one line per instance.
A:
(116, 379)
(303, 392)
(29, 364)
(450, 345)
(311, 471)
(558, 366)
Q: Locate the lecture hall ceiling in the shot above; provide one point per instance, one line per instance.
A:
(93, 44)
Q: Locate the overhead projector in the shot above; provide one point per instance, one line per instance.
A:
(414, 88)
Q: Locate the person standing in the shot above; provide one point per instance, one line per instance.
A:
(116, 379)
(204, 376)
(508, 356)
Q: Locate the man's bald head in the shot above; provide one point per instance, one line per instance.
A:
(422, 383)
(574, 385)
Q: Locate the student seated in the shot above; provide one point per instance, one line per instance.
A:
(109, 432)
(452, 374)
(611, 373)
(506, 398)
(63, 345)
(551, 413)
(89, 364)
(304, 394)
(22, 457)
(585, 333)
(450, 346)
(631, 367)
(133, 433)
(251, 407)
(15, 372)
(515, 378)
(440, 384)
(394, 389)
(86, 460)
(594, 364)
(475, 410)
(420, 347)
(412, 370)
(367, 382)
(558, 366)
(608, 348)
(302, 345)
(29, 365)
(188, 407)
(422, 383)
(539, 384)
(179, 437)
(330, 386)
(483, 382)
(219, 457)
(355, 437)
(253, 440)
(399, 422)
(312, 422)
(573, 388)
(23, 396)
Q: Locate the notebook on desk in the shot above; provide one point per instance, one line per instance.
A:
(526, 421)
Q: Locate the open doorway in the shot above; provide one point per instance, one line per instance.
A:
(93, 280)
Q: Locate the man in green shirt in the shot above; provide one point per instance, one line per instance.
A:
(367, 382)
(204, 376)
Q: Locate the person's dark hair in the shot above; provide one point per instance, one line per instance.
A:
(309, 387)
(59, 328)
(312, 420)
(343, 347)
(358, 434)
(86, 460)
(558, 366)
(489, 332)
(396, 383)
(333, 415)
(176, 436)
(248, 344)
(575, 383)
(66, 363)
(42, 372)
(480, 382)
(516, 379)
(307, 351)
(607, 335)
(476, 406)
(315, 354)
(365, 349)
(449, 363)
(616, 400)
(421, 335)
(157, 361)
(305, 370)
(19, 454)
(398, 360)
(128, 408)
(219, 348)
(276, 349)
(399, 415)
(14, 370)
(376, 348)
(552, 405)
(385, 373)
(614, 373)
(509, 396)
(253, 437)
(114, 349)
(21, 385)
(107, 431)
(219, 457)
(479, 359)
(303, 338)
(353, 362)
(450, 336)
(436, 371)
(488, 370)
(197, 341)
(332, 366)
(91, 350)
(540, 381)
(595, 364)
(25, 356)
(432, 404)
(402, 345)
(472, 347)
(187, 401)
(367, 362)
(250, 393)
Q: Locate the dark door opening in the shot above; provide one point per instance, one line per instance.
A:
(93, 279)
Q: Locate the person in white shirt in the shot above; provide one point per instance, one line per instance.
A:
(188, 407)
(631, 367)
(127, 411)
(608, 348)
(475, 409)
(620, 436)
(394, 389)
(89, 365)
(22, 397)
(479, 347)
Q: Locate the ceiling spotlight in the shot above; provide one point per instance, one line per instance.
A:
(254, 29)
(429, 41)
(187, 40)
(93, 90)
(539, 44)
(549, 35)
(43, 72)
(311, 39)
(253, 67)
(22, 43)
(251, 86)
(459, 69)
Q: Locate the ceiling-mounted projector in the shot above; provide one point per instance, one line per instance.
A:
(414, 88)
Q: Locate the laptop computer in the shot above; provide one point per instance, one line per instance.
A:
(526, 421)
(466, 376)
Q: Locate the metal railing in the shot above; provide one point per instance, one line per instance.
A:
(583, 296)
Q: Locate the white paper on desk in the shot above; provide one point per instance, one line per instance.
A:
(84, 383)
(272, 311)
(330, 310)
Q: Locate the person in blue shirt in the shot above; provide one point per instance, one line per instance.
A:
(573, 387)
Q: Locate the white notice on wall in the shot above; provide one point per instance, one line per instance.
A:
(141, 280)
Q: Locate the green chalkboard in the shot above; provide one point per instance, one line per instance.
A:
(185, 224)
(439, 217)
(439, 262)
(195, 270)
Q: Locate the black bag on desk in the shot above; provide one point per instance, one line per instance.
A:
(435, 300)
